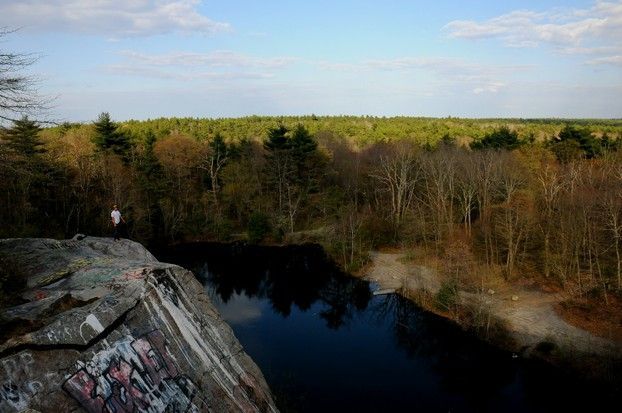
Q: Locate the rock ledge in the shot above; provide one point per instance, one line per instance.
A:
(105, 327)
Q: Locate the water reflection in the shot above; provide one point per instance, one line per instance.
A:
(241, 310)
(326, 344)
(298, 276)
(463, 363)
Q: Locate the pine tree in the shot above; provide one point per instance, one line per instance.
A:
(279, 162)
(23, 137)
(151, 180)
(302, 142)
(576, 143)
(108, 136)
(277, 140)
(303, 148)
(502, 138)
(149, 165)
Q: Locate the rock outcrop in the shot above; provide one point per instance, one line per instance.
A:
(105, 327)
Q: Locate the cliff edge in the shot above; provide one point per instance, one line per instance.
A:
(105, 327)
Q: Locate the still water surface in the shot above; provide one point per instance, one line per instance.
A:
(326, 344)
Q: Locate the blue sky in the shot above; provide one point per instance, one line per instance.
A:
(141, 59)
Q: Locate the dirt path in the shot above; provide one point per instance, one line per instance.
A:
(529, 314)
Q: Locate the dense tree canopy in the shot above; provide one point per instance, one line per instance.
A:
(551, 205)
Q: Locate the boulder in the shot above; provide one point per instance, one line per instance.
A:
(105, 327)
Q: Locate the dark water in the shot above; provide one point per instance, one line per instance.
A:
(326, 344)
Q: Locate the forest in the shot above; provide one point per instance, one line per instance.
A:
(537, 199)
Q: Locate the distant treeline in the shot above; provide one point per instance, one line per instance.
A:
(362, 130)
(533, 197)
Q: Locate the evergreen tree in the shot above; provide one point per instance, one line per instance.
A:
(23, 137)
(302, 142)
(151, 180)
(303, 147)
(277, 140)
(108, 136)
(37, 180)
(149, 165)
(309, 163)
(502, 138)
(575, 143)
(278, 166)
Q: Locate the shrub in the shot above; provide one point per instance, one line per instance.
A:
(258, 227)
(446, 298)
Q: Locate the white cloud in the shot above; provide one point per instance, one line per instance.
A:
(609, 60)
(338, 66)
(453, 67)
(408, 63)
(492, 87)
(186, 66)
(141, 71)
(450, 73)
(601, 50)
(221, 58)
(241, 310)
(566, 29)
(529, 99)
(111, 18)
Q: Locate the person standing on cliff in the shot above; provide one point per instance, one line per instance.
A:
(116, 218)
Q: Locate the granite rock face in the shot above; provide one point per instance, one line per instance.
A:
(105, 327)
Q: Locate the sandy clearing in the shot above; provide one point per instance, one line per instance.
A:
(531, 319)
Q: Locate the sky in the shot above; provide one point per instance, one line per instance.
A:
(140, 59)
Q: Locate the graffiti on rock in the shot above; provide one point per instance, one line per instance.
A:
(132, 375)
(14, 390)
(93, 323)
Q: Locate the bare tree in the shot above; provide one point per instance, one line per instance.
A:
(18, 92)
(487, 178)
(513, 222)
(213, 158)
(551, 184)
(614, 213)
(466, 188)
(398, 173)
(440, 189)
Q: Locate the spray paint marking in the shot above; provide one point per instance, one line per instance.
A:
(94, 323)
(139, 378)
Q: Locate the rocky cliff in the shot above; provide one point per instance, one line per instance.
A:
(105, 327)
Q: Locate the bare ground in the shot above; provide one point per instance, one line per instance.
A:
(528, 314)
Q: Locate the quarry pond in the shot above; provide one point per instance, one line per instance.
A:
(325, 343)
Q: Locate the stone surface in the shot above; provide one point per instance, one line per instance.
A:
(105, 327)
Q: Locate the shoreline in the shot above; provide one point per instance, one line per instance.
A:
(519, 319)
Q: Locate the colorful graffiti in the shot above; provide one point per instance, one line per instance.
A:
(132, 376)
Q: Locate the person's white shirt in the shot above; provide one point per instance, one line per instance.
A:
(116, 216)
